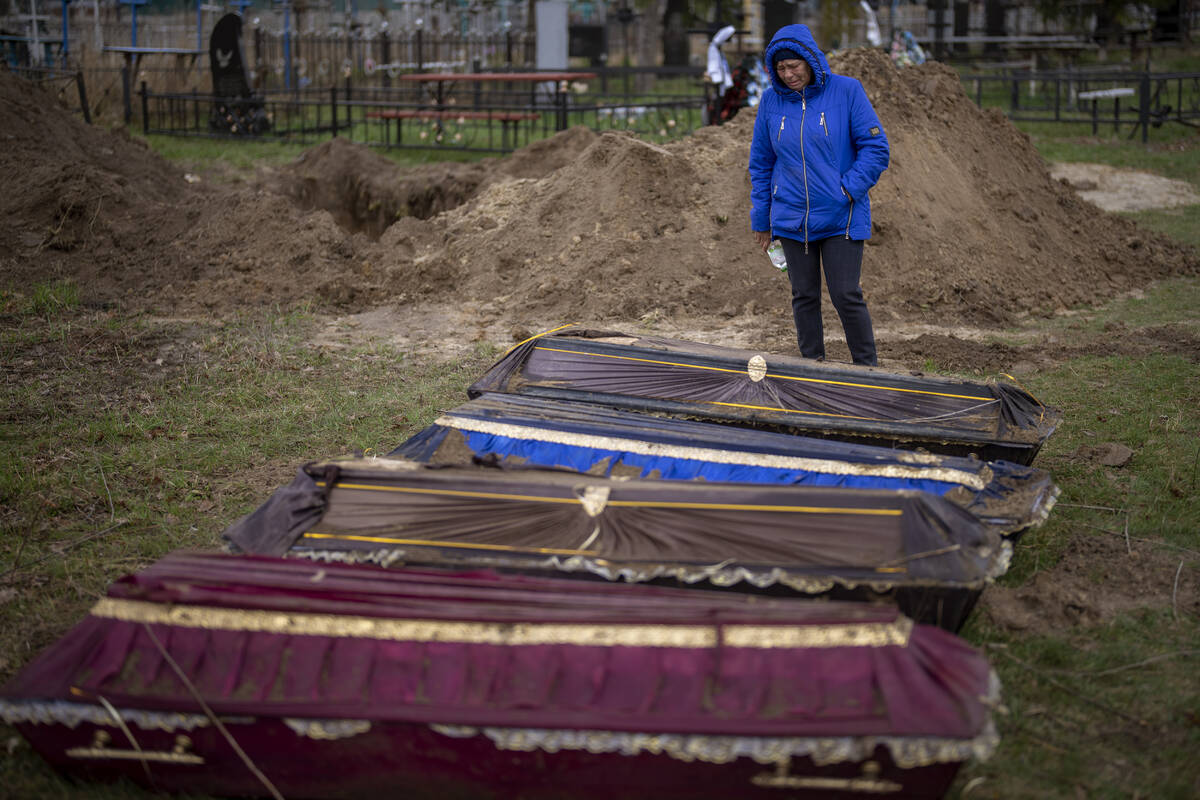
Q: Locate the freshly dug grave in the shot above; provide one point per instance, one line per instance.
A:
(969, 226)
(367, 192)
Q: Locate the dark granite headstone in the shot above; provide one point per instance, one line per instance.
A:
(235, 109)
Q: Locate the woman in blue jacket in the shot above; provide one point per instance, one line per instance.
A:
(818, 149)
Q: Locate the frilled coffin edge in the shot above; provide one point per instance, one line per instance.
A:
(180, 751)
(906, 752)
(928, 602)
(721, 575)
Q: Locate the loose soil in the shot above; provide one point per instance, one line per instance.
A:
(1115, 189)
(1098, 577)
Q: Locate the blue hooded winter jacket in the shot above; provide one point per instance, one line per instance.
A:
(816, 153)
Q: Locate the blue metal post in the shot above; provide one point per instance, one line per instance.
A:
(287, 43)
(133, 5)
(199, 25)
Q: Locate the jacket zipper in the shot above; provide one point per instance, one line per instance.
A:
(804, 168)
(779, 135)
(850, 216)
(823, 125)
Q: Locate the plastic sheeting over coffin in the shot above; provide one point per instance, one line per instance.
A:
(331, 679)
(593, 439)
(811, 540)
(994, 420)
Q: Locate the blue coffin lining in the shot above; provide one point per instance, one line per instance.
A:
(583, 459)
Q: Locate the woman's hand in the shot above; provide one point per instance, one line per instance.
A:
(763, 238)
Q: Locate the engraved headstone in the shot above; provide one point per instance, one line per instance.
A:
(235, 109)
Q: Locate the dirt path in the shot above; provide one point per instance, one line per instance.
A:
(1115, 189)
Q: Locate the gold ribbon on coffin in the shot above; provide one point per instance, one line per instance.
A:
(853, 634)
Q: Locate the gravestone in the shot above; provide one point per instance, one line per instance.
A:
(235, 108)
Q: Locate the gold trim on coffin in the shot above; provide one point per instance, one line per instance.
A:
(867, 634)
(542, 498)
(967, 479)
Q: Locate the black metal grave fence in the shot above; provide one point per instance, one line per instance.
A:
(493, 116)
(1129, 102)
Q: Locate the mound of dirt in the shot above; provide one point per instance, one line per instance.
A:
(1099, 577)
(77, 193)
(969, 225)
(366, 192)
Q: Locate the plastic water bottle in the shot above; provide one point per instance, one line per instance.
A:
(775, 251)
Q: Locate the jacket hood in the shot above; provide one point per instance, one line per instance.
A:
(800, 39)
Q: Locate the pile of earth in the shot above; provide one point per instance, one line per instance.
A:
(969, 227)
(367, 192)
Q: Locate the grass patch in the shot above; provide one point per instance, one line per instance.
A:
(1181, 224)
(240, 154)
(1171, 302)
(200, 154)
(128, 437)
(1082, 722)
(162, 433)
(1146, 404)
(1108, 710)
(54, 297)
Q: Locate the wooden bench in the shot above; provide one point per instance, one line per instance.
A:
(507, 119)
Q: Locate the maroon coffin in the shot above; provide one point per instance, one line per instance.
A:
(260, 676)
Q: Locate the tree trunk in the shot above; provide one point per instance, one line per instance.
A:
(648, 42)
(993, 22)
(675, 35)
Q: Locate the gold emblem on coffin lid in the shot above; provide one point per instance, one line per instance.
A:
(756, 368)
(179, 754)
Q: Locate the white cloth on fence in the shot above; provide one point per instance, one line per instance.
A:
(718, 68)
(873, 34)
